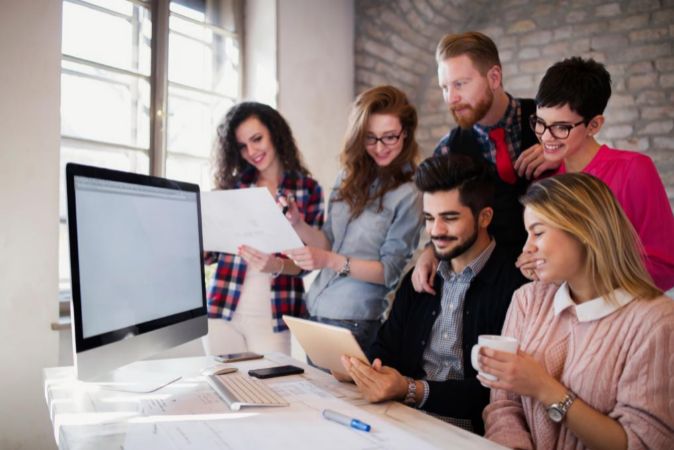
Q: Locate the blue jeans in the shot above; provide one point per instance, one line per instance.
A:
(365, 331)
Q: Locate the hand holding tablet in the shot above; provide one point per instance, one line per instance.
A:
(325, 344)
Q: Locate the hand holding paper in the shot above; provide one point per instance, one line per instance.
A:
(260, 261)
(310, 258)
(249, 217)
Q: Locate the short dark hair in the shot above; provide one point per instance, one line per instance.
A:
(583, 84)
(470, 176)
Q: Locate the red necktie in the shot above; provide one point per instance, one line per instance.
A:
(504, 165)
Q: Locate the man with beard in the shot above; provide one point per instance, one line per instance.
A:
(492, 127)
(422, 352)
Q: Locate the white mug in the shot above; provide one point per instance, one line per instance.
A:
(502, 343)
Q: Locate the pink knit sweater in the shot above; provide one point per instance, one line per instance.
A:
(619, 361)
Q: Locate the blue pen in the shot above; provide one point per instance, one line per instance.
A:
(345, 420)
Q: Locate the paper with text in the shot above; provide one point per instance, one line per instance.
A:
(258, 428)
(249, 216)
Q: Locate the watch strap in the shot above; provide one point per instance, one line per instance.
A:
(346, 268)
(411, 397)
(562, 407)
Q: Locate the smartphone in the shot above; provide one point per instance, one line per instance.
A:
(234, 357)
(271, 372)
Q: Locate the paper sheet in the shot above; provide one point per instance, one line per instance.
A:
(270, 428)
(245, 216)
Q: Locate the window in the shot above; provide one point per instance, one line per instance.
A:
(109, 88)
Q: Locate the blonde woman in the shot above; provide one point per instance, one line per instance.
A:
(596, 336)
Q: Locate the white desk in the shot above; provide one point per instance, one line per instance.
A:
(87, 417)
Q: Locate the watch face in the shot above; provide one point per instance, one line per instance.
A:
(555, 414)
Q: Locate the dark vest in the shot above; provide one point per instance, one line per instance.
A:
(507, 227)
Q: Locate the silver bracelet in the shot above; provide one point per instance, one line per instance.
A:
(280, 271)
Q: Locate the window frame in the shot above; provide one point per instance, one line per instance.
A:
(157, 150)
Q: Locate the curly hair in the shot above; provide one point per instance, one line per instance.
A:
(360, 169)
(229, 164)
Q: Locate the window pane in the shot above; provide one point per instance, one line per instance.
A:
(120, 37)
(109, 158)
(104, 106)
(104, 111)
(202, 58)
(192, 119)
(193, 170)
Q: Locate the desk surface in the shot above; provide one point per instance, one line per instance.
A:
(85, 416)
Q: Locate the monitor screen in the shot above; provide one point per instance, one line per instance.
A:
(136, 263)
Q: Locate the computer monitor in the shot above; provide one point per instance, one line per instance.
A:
(137, 271)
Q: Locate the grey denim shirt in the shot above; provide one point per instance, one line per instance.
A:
(389, 236)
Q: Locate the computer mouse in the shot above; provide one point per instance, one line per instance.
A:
(220, 370)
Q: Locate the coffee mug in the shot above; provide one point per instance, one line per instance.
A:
(502, 343)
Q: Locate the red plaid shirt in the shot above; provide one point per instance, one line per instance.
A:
(287, 291)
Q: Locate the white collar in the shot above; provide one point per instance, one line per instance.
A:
(594, 309)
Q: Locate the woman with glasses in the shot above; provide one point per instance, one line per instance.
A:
(252, 290)
(596, 337)
(570, 104)
(374, 217)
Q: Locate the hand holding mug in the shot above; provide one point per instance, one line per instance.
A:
(502, 343)
(517, 372)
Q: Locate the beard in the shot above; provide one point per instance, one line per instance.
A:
(474, 114)
(459, 250)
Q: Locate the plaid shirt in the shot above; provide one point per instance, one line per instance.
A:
(286, 291)
(511, 122)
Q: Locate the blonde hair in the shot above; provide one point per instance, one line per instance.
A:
(360, 169)
(477, 46)
(585, 208)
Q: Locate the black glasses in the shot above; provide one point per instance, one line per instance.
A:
(387, 139)
(557, 130)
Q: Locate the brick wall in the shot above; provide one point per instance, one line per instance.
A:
(396, 40)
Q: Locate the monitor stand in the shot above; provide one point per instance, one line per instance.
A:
(142, 377)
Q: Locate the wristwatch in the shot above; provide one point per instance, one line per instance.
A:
(411, 397)
(346, 268)
(557, 411)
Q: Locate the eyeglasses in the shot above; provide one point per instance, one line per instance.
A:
(387, 140)
(557, 130)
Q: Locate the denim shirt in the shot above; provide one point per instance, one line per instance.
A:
(388, 236)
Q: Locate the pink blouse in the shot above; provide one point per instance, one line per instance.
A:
(635, 182)
(619, 359)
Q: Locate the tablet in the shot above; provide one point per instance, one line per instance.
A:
(325, 344)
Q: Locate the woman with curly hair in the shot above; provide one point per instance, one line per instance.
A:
(374, 217)
(255, 148)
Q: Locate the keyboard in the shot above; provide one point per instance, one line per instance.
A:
(239, 390)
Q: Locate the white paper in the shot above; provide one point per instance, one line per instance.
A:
(273, 428)
(195, 402)
(249, 216)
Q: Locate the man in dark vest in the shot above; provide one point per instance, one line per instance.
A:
(422, 353)
(492, 126)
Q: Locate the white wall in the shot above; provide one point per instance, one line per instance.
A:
(316, 73)
(30, 47)
(259, 52)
